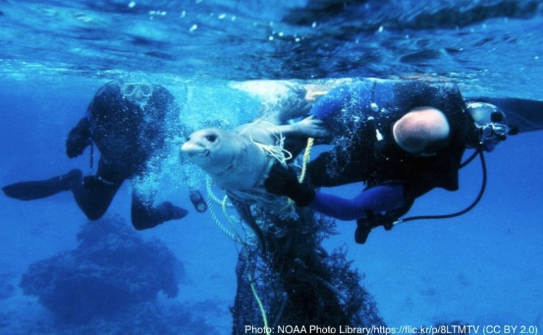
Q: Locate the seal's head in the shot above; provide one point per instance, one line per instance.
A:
(211, 149)
(232, 159)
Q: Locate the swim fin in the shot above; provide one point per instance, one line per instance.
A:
(32, 190)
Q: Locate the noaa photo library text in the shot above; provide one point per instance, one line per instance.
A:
(422, 330)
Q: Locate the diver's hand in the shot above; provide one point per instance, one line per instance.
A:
(79, 138)
(283, 181)
(311, 127)
(75, 145)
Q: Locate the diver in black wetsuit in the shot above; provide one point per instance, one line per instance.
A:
(401, 138)
(130, 125)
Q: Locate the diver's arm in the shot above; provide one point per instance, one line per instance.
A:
(79, 138)
(283, 180)
(378, 199)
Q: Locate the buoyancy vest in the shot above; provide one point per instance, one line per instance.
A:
(362, 116)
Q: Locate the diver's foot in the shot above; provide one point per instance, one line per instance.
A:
(9, 191)
(362, 231)
(364, 226)
(144, 217)
(178, 213)
(169, 211)
(32, 190)
(71, 179)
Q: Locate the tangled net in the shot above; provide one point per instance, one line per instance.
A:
(298, 282)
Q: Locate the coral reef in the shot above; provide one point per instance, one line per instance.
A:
(110, 271)
(147, 318)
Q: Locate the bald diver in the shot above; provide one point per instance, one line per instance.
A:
(402, 139)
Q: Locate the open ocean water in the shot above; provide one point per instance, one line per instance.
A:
(483, 268)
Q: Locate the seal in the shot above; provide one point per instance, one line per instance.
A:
(240, 159)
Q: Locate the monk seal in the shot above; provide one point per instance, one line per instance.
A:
(240, 159)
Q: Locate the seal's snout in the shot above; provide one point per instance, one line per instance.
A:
(201, 143)
(193, 149)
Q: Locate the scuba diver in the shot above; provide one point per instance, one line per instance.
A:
(402, 139)
(130, 124)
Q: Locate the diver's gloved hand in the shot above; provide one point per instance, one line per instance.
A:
(78, 138)
(75, 145)
(284, 181)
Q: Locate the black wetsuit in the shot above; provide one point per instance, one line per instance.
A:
(128, 137)
(361, 117)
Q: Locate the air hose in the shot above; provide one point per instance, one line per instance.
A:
(478, 152)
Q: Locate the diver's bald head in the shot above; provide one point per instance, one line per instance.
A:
(422, 130)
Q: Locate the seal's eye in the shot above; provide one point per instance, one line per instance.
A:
(211, 138)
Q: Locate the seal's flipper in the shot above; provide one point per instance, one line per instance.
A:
(524, 114)
(32, 190)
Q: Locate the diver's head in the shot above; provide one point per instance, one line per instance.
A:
(422, 131)
(491, 123)
(137, 93)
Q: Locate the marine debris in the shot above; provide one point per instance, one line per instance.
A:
(293, 282)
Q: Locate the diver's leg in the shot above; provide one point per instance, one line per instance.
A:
(145, 214)
(400, 199)
(31, 190)
(96, 193)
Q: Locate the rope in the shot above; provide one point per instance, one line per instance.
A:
(275, 151)
(211, 195)
(235, 236)
(214, 217)
(307, 156)
(224, 205)
(260, 305)
(253, 287)
(305, 161)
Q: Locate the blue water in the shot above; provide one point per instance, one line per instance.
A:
(483, 267)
